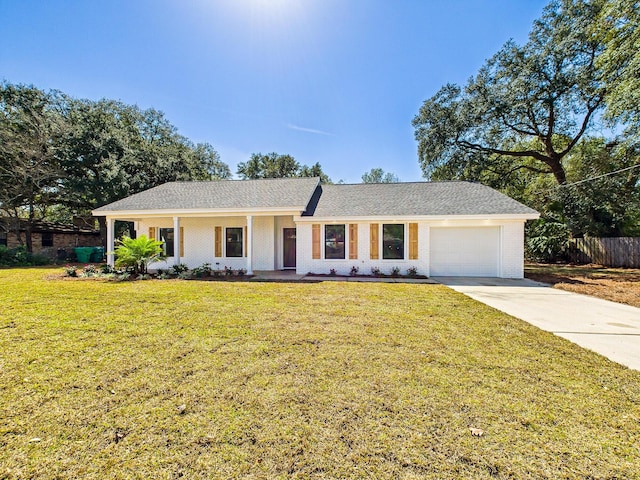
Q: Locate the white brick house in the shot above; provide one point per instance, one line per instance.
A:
(440, 228)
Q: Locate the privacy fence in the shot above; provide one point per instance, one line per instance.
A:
(610, 252)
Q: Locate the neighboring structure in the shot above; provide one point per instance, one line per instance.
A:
(48, 238)
(441, 228)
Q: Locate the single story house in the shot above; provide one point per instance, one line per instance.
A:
(51, 239)
(440, 228)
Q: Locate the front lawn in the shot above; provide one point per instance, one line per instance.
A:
(169, 378)
(620, 285)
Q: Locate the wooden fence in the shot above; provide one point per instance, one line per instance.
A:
(610, 252)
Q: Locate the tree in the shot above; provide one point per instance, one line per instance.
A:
(30, 123)
(543, 94)
(314, 171)
(113, 150)
(273, 165)
(618, 27)
(377, 175)
(138, 253)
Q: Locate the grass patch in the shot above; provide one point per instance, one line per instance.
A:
(620, 285)
(162, 379)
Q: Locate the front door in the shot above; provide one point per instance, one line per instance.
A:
(289, 235)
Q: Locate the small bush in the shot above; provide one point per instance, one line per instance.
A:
(375, 271)
(179, 269)
(395, 272)
(332, 272)
(105, 269)
(228, 271)
(241, 272)
(70, 271)
(354, 271)
(412, 272)
(202, 271)
(89, 271)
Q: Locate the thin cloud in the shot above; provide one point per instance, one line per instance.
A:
(309, 130)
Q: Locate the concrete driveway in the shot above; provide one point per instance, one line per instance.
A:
(608, 328)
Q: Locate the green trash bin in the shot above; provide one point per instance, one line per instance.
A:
(97, 254)
(83, 254)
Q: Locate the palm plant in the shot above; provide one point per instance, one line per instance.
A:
(138, 253)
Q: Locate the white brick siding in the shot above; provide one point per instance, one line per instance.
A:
(511, 249)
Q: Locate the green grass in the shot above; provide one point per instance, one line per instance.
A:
(326, 380)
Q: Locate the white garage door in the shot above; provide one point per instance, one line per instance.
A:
(464, 252)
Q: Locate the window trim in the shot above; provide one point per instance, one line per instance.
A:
(345, 240)
(50, 235)
(405, 241)
(165, 243)
(242, 242)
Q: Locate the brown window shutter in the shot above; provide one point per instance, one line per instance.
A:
(218, 242)
(152, 233)
(413, 241)
(182, 241)
(315, 239)
(353, 241)
(373, 241)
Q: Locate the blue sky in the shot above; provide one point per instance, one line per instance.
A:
(330, 81)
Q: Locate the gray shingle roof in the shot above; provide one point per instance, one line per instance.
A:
(408, 199)
(291, 193)
(298, 194)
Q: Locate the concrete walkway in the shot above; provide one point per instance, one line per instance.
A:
(608, 328)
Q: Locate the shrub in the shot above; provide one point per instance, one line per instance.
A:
(375, 271)
(202, 271)
(547, 241)
(70, 271)
(332, 272)
(228, 271)
(20, 257)
(89, 271)
(241, 272)
(179, 269)
(395, 272)
(412, 272)
(354, 271)
(138, 253)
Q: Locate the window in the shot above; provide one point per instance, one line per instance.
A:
(47, 239)
(166, 237)
(3, 238)
(234, 242)
(392, 241)
(333, 241)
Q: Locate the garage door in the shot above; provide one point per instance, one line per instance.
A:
(465, 252)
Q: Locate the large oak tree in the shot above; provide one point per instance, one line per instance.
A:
(527, 107)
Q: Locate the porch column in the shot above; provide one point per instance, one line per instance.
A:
(176, 240)
(110, 241)
(249, 244)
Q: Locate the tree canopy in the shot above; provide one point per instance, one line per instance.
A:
(274, 165)
(530, 122)
(378, 175)
(70, 155)
(541, 96)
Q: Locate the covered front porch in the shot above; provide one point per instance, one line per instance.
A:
(250, 242)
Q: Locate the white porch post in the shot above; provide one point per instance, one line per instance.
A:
(249, 244)
(176, 240)
(110, 241)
